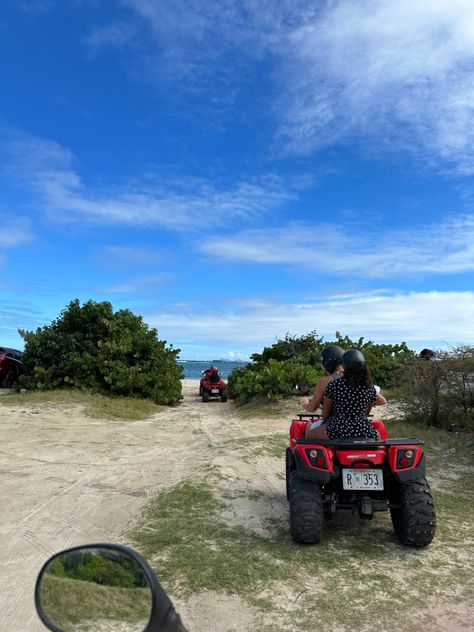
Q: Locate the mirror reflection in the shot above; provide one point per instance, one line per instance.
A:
(96, 589)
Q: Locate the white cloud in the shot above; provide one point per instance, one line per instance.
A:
(444, 248)
(138, 285)
(419, 318)
(397, 75)
(15, 232)
(47, 168)
(115, 35)
(397, 72)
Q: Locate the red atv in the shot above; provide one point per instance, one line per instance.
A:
(360, 475)
(212, 385)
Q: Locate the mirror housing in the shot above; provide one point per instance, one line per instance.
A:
(163, 617)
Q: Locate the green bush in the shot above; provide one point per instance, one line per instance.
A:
(271, 380)
(293, 360)
(93, 348)
(439, 391)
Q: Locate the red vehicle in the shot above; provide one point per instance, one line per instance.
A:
(212, 385)
(360, 475)
(10, 366)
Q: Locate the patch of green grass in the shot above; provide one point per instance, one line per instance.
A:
(94, 405)
(201, 551)
(359, 564)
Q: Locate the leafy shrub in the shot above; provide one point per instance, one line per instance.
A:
(387, 363)
(438, 390)
(296, 360)
(271, 380)
(93, 348)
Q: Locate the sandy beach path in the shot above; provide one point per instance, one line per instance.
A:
(67, 479)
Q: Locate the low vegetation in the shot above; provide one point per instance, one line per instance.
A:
(199, 539)
(276, 371)
(81, 605)
(93, 405)
(435, 388)
(93, 348)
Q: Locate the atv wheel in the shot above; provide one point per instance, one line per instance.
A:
(288, 472)
(415, 521)
(306, 510)
(9, 380)
(205, 395)
(224, 395)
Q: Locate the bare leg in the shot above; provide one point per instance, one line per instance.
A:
(316, 433)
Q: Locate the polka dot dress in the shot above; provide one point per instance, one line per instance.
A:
(349, 411)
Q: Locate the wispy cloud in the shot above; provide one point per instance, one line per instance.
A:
(444, 248)
(137, 285)
(398, 71)
(419, 318)
(47, 169)
(117, 35)
(395, 75)
(128, 254)
(15, 232)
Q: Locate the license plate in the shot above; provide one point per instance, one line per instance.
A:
(214, 390)
(362, 479)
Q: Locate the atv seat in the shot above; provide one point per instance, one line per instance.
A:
(382, 430)
(298, 429)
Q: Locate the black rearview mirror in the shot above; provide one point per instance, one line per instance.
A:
(94, 588)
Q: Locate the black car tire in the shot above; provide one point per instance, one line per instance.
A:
(205, 395)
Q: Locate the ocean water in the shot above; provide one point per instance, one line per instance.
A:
(194, 368)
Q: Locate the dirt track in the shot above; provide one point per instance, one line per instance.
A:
(67, 479)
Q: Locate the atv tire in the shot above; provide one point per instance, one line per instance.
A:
(415, 521)
(205, 395)
(9, 380)
(288, 471)
(224, 395)
(306, 510)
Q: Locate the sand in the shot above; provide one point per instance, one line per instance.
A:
(67, 479)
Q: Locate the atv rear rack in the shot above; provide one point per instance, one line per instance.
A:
(351, 444)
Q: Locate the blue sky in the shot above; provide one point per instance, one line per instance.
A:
(235, 170)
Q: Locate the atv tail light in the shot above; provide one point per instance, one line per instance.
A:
(361, 466)
(317, 458)
(405, 458)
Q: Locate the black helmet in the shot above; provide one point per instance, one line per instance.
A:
(353, 360)
(330, 357)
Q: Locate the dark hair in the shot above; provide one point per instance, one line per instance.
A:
(427, 354)
(359, 377)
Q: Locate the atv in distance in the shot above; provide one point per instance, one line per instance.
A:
(364, 476)
(212, 385)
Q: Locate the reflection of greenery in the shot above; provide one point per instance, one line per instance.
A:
(67, 602)
(108, 568)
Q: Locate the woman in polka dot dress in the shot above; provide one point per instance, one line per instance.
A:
(347, 402)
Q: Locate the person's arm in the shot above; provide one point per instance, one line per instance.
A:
(380, 400)
(327, 406)
(310, 405)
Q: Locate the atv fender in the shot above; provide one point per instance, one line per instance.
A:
(414, 474)
(310, 472)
